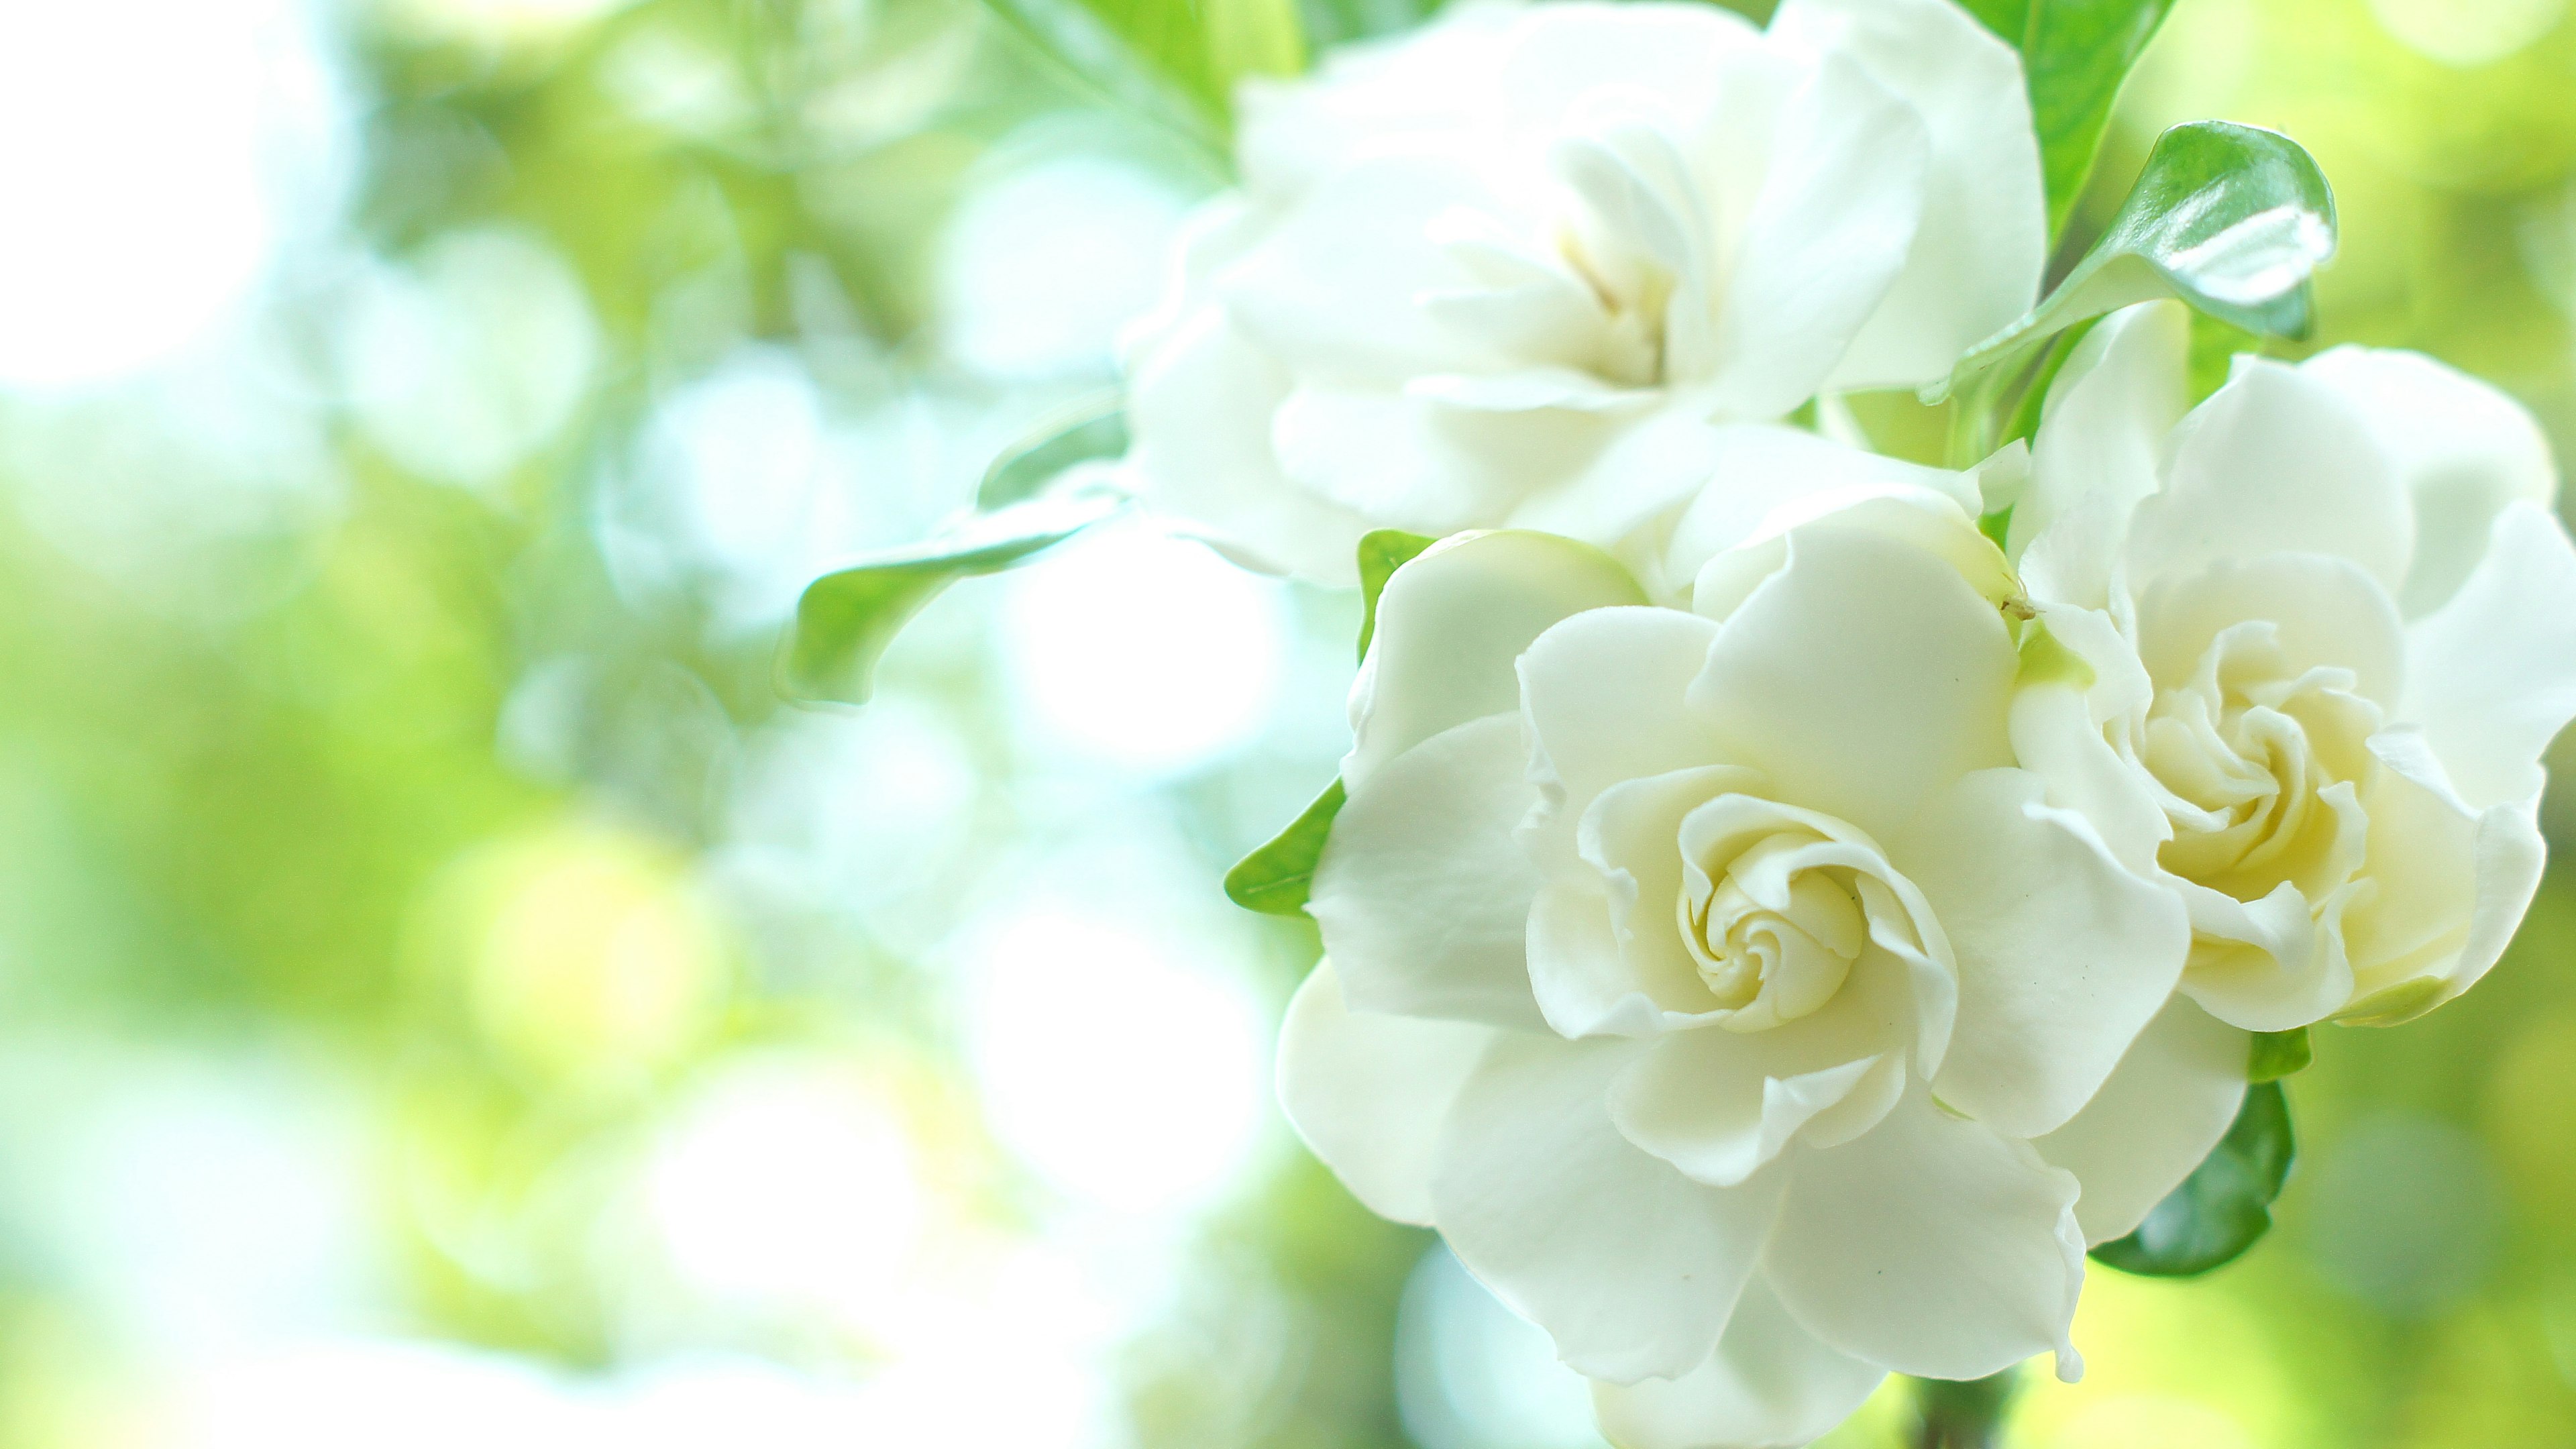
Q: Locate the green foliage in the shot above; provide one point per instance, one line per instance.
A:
(1085, 431)
(1174, 61)
(845, 619)
(2214, 348)
(1382, 552)
(1274, 880)
(2074, 55)
(2231, 219)
(2277, 1054)
(2226, 1203)
(1963, 1413)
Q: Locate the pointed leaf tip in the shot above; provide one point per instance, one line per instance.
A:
(2232, 219)
(1275, 879)
(846, 619)
(1382, 552)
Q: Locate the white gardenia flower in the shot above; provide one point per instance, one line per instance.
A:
(1505, 270)
(2317, 633)
(1713, 980)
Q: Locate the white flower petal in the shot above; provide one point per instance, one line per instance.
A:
(2078, 675)
(2494, 669)
(1721, 1105)
(1862, 677)
(2275, 462)
(1757, 470)
(1411, 462)
(1770, 1385)
(1368, 1091)
(2463, 452)
(1829, 232)
(2064, 956)
(2324, 611)
(2172, 1097)
(1661, 57)
(2265, 965)
(2450, 884)
(1977, 255)
(1631, 1267)
(1604, 696)
(1332, 292)
(1422, 893)
(1198, 408)
(1449, 626)
(1931, 1246)
(2101, 439)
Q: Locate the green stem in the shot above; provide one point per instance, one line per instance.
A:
(1969, 1415)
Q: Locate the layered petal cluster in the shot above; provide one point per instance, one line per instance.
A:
(1712, 976)
(1507, 269)
(2312, 637)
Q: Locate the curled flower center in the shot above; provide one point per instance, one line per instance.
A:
(1772, 942)
(1633, 291)
(2259, 765)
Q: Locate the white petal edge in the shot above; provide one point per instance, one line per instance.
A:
(2064, 955)
(1978, 252)
(1422, 892)
(2161, 1112)
(1770, 1385)
(1631, 1267)
(1450, 624)
(1931, 1246)
(2493, 671)
(1367, 1092)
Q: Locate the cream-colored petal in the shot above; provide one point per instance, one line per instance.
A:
(1368, 1092)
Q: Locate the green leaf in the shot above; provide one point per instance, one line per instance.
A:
(2226, 1203)
(1382, 552)
(2214, 345)
(1080, 432)
(845, 619)
(2007, 18)
(2076, 53)
(2277, 1054)
(1174, 61)
(2232, 219)
(1274, 880)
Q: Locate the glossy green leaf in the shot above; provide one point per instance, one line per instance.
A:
(2226, 1203)
(1382, 552)
(1082, 432)
(2074, 56)
(1274, 880)
(845, 620)
(1175, 61)
(2232, 219)
(2277, 1054)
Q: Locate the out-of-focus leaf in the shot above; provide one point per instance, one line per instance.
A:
(1081, 432)
(1334, 22)
(1176, 61)
(2231, 219)
(845, 619)
(2214, 346)
(1274, 880)
(1382, 552)
(2226, 1203)
(2277, 1054)
(2074, 56)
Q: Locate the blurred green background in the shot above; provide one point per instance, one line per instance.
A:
(445, 998)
